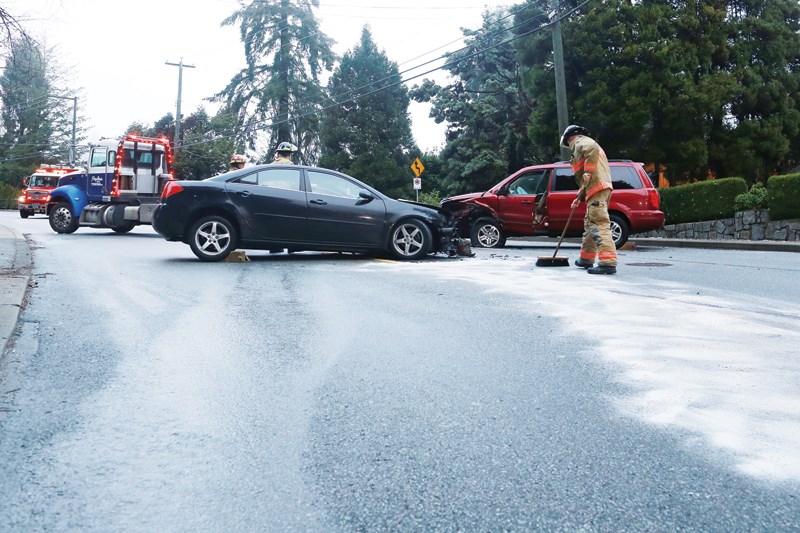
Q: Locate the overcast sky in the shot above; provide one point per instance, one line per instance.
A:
(116, 51)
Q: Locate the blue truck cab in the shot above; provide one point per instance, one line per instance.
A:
(119, 188)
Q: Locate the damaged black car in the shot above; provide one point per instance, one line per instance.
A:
(300, 208)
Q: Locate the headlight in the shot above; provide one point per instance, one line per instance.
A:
(21, 199)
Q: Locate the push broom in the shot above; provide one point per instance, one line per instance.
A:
(557, 261)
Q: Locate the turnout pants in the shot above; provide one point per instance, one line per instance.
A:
(597, 240)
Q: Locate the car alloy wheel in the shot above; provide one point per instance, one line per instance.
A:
(213, 238)
(487, 234)
(411, 239)
(619, 230)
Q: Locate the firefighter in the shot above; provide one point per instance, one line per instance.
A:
(590, 165)
(283, 153)
(237, 161)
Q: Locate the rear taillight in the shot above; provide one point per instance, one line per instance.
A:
(170, 188)
(653, 199)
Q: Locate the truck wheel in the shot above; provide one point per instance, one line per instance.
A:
(62, 220)
(124, 229)
(619, 230)
(212, 238)
(486, 233)
(24, 213)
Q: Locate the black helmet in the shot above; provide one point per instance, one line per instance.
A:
(571, 130)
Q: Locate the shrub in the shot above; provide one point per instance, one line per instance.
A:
(784, 196)
(704, 200)
(431, 198)
(755, 198)
(9, 194)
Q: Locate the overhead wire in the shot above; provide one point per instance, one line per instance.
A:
(260, 125)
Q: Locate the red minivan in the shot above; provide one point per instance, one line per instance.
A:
(507, 209)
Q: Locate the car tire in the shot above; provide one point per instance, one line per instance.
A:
(124, 228)
(620, 231)
(62, 220)
(411, 239)
(486, 233)
(24, 213)
(212, 238)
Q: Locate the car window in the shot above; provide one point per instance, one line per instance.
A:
(323, 183)
(529, 183)
(280, 178)
(565, 180)
(625, 178)
(250, 179)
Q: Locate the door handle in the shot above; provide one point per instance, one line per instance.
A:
(318, 202)
(526, 202)
(245, 194)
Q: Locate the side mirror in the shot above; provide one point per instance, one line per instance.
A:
(25, 182)
(502, 191)
(364, 197)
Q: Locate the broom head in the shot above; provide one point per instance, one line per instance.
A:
(552, 261)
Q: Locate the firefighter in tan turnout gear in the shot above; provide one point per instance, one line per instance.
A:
(590, 165)
(283, 153)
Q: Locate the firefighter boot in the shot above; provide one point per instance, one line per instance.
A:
(583, 263)
(602, 269)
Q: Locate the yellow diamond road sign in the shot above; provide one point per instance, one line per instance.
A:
(417, 167)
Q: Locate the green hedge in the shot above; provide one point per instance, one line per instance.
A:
(704, 200)
(9, 196)
(784, 196)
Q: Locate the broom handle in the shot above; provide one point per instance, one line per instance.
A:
(569, 219)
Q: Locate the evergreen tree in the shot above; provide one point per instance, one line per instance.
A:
(279, 90)
(368, 134)
(701, 86)
(484, 108)
(207, 145)
(25, 93)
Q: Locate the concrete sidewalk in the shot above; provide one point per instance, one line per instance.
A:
(15, 274)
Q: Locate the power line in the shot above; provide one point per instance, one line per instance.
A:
(406, 80)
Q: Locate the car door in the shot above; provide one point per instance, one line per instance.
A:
(271, 203)
(338, 215)
(517, 201)
(563, 190)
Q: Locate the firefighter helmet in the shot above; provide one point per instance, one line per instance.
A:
(285, 147)
(237, 159)
(571, 130)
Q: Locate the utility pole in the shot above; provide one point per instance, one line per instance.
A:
(561, 85)
(72, 148)
(180, 66)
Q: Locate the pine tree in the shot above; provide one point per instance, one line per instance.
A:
(26, 130)
(279, 90)
(366, 130)
(484, 108)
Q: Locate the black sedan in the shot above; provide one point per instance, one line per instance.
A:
(293, 207)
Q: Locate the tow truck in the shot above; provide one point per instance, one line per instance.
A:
(37, 187)
(119, 188)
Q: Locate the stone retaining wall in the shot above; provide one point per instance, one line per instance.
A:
(746, 225)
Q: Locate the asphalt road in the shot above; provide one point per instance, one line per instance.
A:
(146, 391)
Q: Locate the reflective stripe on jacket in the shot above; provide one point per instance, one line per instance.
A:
(589, 157)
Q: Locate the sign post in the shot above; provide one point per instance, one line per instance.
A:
(417, 167)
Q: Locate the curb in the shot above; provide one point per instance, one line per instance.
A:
(14, 280)
(726, 244)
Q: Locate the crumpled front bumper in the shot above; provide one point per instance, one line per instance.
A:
(453, 245)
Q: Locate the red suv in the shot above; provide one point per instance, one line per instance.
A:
(507, 209)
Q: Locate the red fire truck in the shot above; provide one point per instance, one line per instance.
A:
(37, 189)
